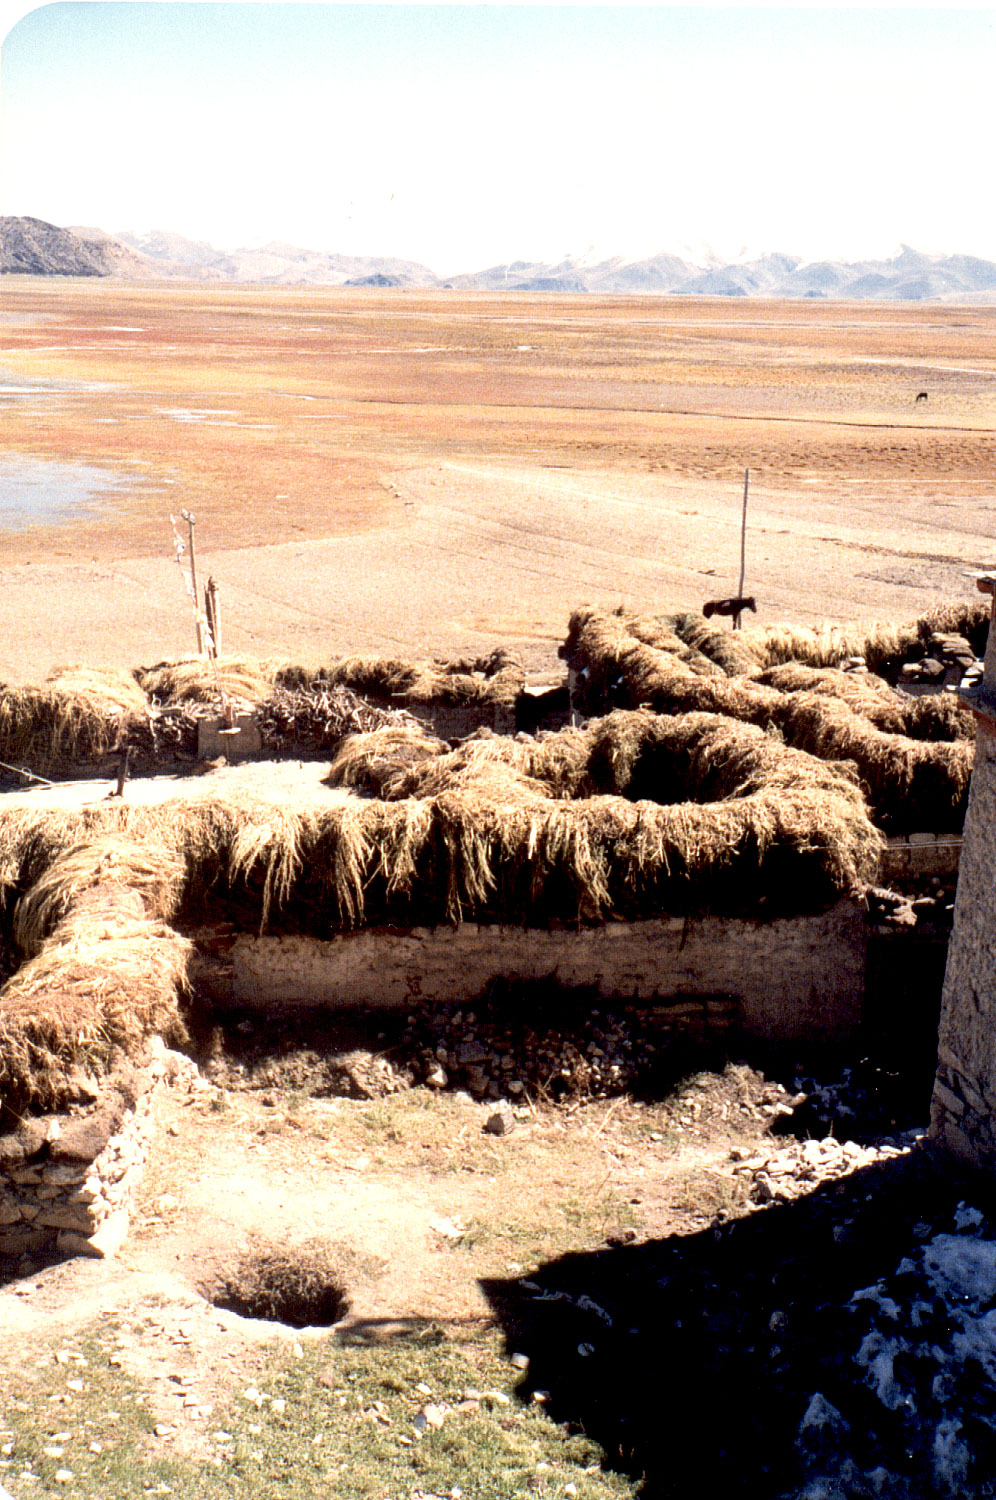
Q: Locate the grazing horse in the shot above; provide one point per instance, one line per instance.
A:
(921, 396)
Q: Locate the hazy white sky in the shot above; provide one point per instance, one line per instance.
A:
(462, 136)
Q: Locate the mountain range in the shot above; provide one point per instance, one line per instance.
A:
(33, 247)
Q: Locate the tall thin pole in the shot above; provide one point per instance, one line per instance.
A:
(188, 517)
(743, 548)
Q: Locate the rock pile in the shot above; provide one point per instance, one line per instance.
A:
(67, 1181)
(948, 662)
(574, 1052)
(780, 1174)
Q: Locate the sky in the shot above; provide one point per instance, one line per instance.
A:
(464, 136)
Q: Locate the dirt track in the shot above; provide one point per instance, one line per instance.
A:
(429, 474)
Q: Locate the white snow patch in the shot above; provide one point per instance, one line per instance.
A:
(962, 1269)
(887, 1306)
(952, 1457)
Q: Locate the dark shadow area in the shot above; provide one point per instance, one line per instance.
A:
(551, 1043)
(740, 1360)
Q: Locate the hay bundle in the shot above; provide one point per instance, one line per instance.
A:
(910, 784)
(938, 716)
(966, 617)
(617, 669)
(491, 681)
(413, 764)
(110, 861)
(883, 646)
(726, 648)
(78, 716)
(30, 840)
(661, 632)
(201, 680)
(830, 645)
(373, 761)
(108, 978)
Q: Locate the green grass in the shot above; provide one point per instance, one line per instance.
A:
(341, 1418)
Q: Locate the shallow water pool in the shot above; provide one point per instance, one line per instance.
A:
(40, 491)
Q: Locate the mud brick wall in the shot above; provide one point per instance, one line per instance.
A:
(67, 1180)
(963, 1111)
(457, 720)
(796, 979)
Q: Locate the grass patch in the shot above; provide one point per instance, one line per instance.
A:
(419, 1416)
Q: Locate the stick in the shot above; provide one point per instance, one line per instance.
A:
(211, 611)
(743, 548)
(123, 765)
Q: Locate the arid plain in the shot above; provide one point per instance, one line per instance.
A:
(436, 472)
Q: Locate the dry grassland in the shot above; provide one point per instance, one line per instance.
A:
(375, 470)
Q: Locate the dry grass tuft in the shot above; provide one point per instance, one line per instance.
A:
(302, 1286)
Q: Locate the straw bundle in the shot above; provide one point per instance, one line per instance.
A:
(373, 761)
(619, 670)
(493, 812)
(910, 783)
(939, 716)
(201, 680)
(108, 978)
(79, 715)
(884, 646)
(913, 756)
(491, 680)
(110, 862)
(724, 647)
(967, 617)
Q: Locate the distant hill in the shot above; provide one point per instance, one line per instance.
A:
(32, 247)
(275, 264)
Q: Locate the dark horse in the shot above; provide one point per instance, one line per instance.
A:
(728, 606)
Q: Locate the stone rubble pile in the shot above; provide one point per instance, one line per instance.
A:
(779, 1174)
(67, 1181)
(948, 662)
(592, 1054)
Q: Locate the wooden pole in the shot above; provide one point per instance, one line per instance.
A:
(124, 762)
(211, 613)
(188, 517)
(743, 548)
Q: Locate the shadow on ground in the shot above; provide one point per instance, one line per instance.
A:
(694, 1360)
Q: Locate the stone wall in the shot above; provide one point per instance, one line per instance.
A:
(963, 1112)
(794, 979)
(67, 1181)
(912, 857)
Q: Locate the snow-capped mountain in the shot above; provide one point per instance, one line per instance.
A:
(33, 247)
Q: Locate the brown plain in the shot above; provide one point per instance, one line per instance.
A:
(435, 472)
